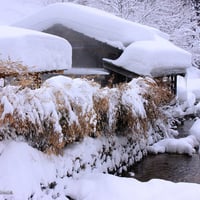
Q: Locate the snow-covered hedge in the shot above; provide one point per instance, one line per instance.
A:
(65, 110)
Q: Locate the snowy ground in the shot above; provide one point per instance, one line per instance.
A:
(38, 176)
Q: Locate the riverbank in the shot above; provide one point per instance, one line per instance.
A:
(171, 167)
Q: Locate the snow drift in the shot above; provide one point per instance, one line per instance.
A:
(26, 173)
(108, 187)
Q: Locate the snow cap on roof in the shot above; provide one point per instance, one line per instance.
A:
(91, 22)
(154, 58)
(38, 51)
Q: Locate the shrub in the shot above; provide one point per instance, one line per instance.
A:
(65, 110)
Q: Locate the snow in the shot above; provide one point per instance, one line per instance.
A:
(91, 22)
(188, 87)
(188, 95)
(194, 130)
(25, 171)
(148, 51)
(87, 71)
(186, 145)
(38, 51)
(8, 109)
(108, 187)
(35, 173)
(30, 168)
(156, 57)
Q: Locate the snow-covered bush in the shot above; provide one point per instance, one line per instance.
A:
(65, 110)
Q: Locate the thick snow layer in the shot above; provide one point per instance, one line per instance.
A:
(91, 22)
(171, 145)
(181, 89)
(23, 168)
(195, 130)
(108, 187)
(38, 51)
(193, 87)
(188, 90)
(148, 51)
(186, 145)
(154, 57)
(27, 173)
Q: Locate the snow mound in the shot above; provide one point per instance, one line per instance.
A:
(108, 187)
(23, 168)
(38, 51)
(92, 22)
(195, 130)
(186, 145)
(155, 58)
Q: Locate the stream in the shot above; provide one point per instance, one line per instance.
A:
(172, 167)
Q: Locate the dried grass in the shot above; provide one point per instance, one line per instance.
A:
(101, 107)
(11, 68)
(107, 115)
(16, 73)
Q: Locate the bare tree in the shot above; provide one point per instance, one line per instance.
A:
(122, 8)
(83, 2)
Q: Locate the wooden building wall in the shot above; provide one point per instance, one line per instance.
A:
(87, 52)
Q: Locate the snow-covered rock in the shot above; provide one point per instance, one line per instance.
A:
(171, 145)
(38, 51)
(186, 145)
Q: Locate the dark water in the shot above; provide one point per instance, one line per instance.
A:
(172, 167)
(176, 168)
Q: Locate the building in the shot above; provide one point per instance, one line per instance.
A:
(101, 41)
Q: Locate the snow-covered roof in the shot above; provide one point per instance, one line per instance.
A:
(38, 51)
(91, 22)
(147, 51)
(154, 58)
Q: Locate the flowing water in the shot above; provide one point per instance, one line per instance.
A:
(172, 167)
